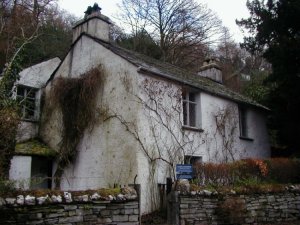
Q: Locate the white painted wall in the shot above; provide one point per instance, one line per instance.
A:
(106, 154)
(26, 130)
(94, 27)
(20, 171)
(212, 150)
(207, 144)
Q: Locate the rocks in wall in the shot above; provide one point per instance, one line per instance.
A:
(250, 208)
(127, 194)
(72, 208)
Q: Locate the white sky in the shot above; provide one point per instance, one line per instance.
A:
(227, 10)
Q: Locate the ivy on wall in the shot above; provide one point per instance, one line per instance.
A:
(76, 98)
(9, 113)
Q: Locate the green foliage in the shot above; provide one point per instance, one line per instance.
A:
(275, 31)
(256, 87)
(76, 98)
(9, 76)
(9, 116)
(6, 187)
(9, 120)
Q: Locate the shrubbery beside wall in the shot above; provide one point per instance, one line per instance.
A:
(247, 171)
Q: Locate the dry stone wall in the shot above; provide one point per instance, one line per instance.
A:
(213, 208)
(97, 212)
(72, 208)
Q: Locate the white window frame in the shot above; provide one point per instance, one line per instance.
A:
(22, 98)
(243, 122)
(188, 102)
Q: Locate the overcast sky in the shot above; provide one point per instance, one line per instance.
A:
(227, 10)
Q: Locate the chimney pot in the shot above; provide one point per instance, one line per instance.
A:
(211, 70)
(94, 23)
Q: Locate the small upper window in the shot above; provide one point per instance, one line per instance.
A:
(243, 122)
(189, 109)
(26, 96)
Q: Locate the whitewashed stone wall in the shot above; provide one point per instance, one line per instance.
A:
(20, 171)
(107, 153)
(168, 143)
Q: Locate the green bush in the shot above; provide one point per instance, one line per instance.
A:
(6, 187)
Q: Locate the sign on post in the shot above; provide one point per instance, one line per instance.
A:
(184, 171)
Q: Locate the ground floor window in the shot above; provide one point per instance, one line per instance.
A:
(188, 159)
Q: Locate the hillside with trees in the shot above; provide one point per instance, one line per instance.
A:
(275, 33)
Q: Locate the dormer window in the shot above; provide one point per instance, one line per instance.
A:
(27, 98)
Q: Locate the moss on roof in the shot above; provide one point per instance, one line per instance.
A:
(34, 147)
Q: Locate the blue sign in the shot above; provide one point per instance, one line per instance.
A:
(184, 171)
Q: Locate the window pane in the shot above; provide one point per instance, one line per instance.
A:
(243, 122)
(30, 94)
(184, 95)
(192, 115)
(192, 97)
(185, 113)
(20, 91)
(26, 96)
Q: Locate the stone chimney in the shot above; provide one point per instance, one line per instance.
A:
(211, 70)
(94, 24)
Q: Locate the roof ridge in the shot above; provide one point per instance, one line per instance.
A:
(170, 71)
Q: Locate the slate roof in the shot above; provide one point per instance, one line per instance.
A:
(147, 64)
(159, 68)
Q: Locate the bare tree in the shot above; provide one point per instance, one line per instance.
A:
(178, 26)
(19, 22)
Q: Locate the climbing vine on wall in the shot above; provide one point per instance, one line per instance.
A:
(9, 113)
(226, 126)
(9, 120)
(76, 98)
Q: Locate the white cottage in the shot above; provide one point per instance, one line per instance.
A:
(147, 116)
